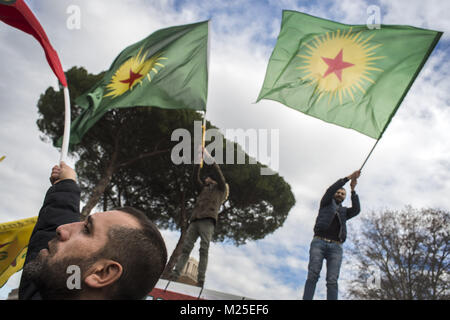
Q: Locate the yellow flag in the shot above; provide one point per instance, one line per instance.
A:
(14, 238)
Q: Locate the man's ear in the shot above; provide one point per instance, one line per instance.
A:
(103, 273)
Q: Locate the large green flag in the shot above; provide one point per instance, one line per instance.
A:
(349, 75)
(168, 69)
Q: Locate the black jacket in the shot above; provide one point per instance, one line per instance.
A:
(61, 206)
(329, 207)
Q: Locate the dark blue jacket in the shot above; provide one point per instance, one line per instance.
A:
(329, 207)
(61, 206)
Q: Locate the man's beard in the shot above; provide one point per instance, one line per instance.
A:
(338, 201)
(51, 279)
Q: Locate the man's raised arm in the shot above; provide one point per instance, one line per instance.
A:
(61, 206)
(328, 196)
(356, 207)
(221, 182)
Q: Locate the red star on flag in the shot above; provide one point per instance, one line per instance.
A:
(336, 65)
(133, 77)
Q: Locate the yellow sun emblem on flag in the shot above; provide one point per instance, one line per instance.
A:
(133, 72)
(339, 64)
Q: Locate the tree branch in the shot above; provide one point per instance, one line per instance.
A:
(140, 157)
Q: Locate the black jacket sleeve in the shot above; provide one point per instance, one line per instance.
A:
(356, 208)
(328, 196)
(61, 206)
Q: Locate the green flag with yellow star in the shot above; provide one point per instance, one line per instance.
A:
(349, 75)
(168, 69)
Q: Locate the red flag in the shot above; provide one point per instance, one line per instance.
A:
(17, 14)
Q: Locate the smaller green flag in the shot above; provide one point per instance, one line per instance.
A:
(168, 69)
(349, 75)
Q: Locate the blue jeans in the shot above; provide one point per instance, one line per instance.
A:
(332, 252)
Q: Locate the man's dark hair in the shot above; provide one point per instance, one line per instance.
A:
(142, 254)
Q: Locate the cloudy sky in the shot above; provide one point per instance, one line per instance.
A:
(410, 165)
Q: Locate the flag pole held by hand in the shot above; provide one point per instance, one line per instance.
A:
(203, 138)
(66, 137)
(367, 158)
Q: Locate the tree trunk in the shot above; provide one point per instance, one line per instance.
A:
(107, 176)
(105, 202)
(101, 186)
(183, 227)
(119, 197)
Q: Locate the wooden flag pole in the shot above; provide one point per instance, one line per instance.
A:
(66, 137)
(203, 137)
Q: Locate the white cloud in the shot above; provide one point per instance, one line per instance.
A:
(430, 14)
